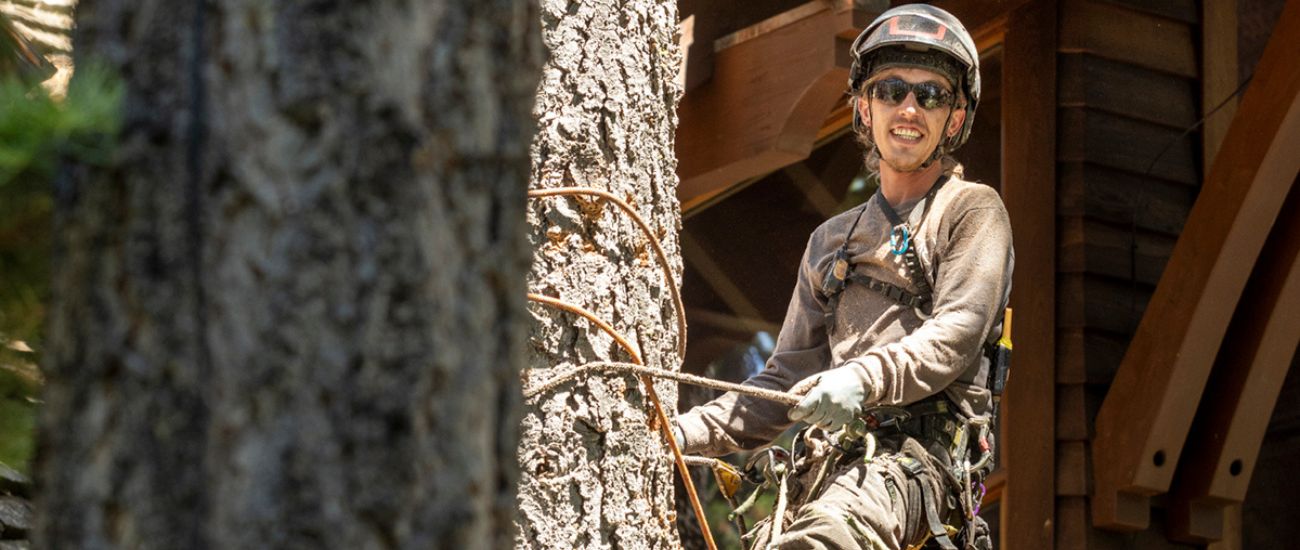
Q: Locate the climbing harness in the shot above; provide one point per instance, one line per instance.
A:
(901, 234)
(931, 418)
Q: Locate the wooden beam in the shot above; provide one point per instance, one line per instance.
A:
(993, 487)
(1029, 192)
(767, 100)
(985, 20)
(1072, 530)
(813, 189)
(716, 276)
(1231, 530)
(685, 39)
(1123, 34)
(731, 323)
(1071, 413)
(1219, 73)
(779, 20)
(1072, 468)
(991, 34)
(1107, 85)
(1146, 416)
(1244, 387)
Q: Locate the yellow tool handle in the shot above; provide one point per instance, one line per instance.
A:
(1005, 340)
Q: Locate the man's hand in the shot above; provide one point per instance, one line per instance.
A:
(834, 400)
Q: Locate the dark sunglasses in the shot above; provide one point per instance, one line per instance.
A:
(893, 91)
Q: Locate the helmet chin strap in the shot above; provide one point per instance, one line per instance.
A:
(943, 143)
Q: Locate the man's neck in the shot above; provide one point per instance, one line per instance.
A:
(899, 187)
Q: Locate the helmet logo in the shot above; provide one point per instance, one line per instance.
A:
(936, 35)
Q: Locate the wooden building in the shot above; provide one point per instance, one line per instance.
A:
(1157, 284)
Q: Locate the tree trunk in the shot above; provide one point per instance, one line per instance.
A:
(291, 313)
(595, 472)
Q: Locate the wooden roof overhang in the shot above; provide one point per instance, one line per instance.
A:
(777, 88)
(773, 85)
(1237, 253)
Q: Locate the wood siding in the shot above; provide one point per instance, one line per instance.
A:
(1128, 86)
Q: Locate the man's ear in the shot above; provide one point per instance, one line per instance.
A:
(864, 111)
(955, 122)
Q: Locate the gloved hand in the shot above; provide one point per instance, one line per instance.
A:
(834, 400)
(677, 435)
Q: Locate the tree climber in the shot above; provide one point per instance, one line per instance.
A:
(888, 334)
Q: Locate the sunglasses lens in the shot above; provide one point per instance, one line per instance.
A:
(893, 91)
(931, 96)
(890, 90)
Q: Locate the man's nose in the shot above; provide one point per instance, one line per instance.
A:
(910, 106)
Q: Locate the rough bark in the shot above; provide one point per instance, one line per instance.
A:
(595, 473)
(291, 314)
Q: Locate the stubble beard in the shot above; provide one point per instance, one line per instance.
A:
(919, 166)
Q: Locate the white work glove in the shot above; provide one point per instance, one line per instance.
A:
(678, 436)
(834, 400)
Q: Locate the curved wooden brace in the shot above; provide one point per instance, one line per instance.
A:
(1248, 375)
(1148, 412)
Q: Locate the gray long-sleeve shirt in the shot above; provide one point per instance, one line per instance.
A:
(902, 355)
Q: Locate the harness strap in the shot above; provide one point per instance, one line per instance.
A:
(840, 271)
(936, 527)
(893, 291)
(919, 279)
(889, 290)
(938, 532)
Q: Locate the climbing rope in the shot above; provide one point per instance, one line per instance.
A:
(664, 426)
(662, 258)
(778, 514)
(680, 310)
(556, 380)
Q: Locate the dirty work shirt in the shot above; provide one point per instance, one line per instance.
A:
(902, 354)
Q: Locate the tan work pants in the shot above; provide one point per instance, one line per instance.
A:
(870, 506)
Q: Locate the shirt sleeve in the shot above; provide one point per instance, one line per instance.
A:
(735, 422)
(972, 280)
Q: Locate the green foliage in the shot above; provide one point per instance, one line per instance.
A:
(37, 131)
(17, 427)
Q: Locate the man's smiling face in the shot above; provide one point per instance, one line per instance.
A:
(907, 133)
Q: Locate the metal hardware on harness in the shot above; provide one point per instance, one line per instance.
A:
(986, 451)
(836, 277)
(884, 416)
(762, 467)
(770, 467)
(900, 239)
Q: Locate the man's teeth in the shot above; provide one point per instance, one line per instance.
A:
(906, 133)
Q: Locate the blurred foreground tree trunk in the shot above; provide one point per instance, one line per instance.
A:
(291, 313)
(595, 472)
